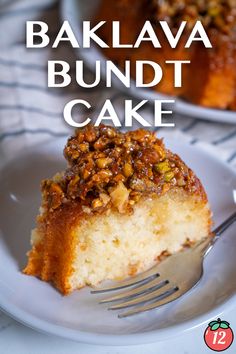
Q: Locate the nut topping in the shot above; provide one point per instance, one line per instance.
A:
(109, 169)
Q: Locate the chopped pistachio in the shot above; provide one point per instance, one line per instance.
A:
(162, 167)
(168, 176)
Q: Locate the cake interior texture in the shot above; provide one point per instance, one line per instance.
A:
(125, 226)
(117, 246)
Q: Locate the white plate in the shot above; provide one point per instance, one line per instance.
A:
(76, 11)
(78, 316)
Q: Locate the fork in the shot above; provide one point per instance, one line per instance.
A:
(166, 281)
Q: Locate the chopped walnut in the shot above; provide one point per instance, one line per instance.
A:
(120, 196)
(107, 168)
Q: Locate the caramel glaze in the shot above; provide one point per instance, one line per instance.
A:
(210, 79)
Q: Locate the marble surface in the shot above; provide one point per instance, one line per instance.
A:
(16, 338)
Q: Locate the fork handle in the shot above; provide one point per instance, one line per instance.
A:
(224, 226)
(219, 231)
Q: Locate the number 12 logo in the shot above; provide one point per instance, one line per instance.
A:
(218, 336)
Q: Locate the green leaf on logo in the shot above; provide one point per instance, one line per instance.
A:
(212, 323)
(215, 327)
(225, 322)
(224, 325)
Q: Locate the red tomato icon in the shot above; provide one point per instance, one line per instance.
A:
(218, 336)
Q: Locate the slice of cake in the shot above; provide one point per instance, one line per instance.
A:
(123, 202)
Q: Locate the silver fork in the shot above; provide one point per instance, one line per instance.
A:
(166, 281)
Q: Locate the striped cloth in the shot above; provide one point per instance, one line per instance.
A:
(31, 113)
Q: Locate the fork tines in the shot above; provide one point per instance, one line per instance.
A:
(146, 291)
(166, 281)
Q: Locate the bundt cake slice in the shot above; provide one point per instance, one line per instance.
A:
(123, 203)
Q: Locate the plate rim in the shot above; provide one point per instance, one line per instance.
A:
(152, 336)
